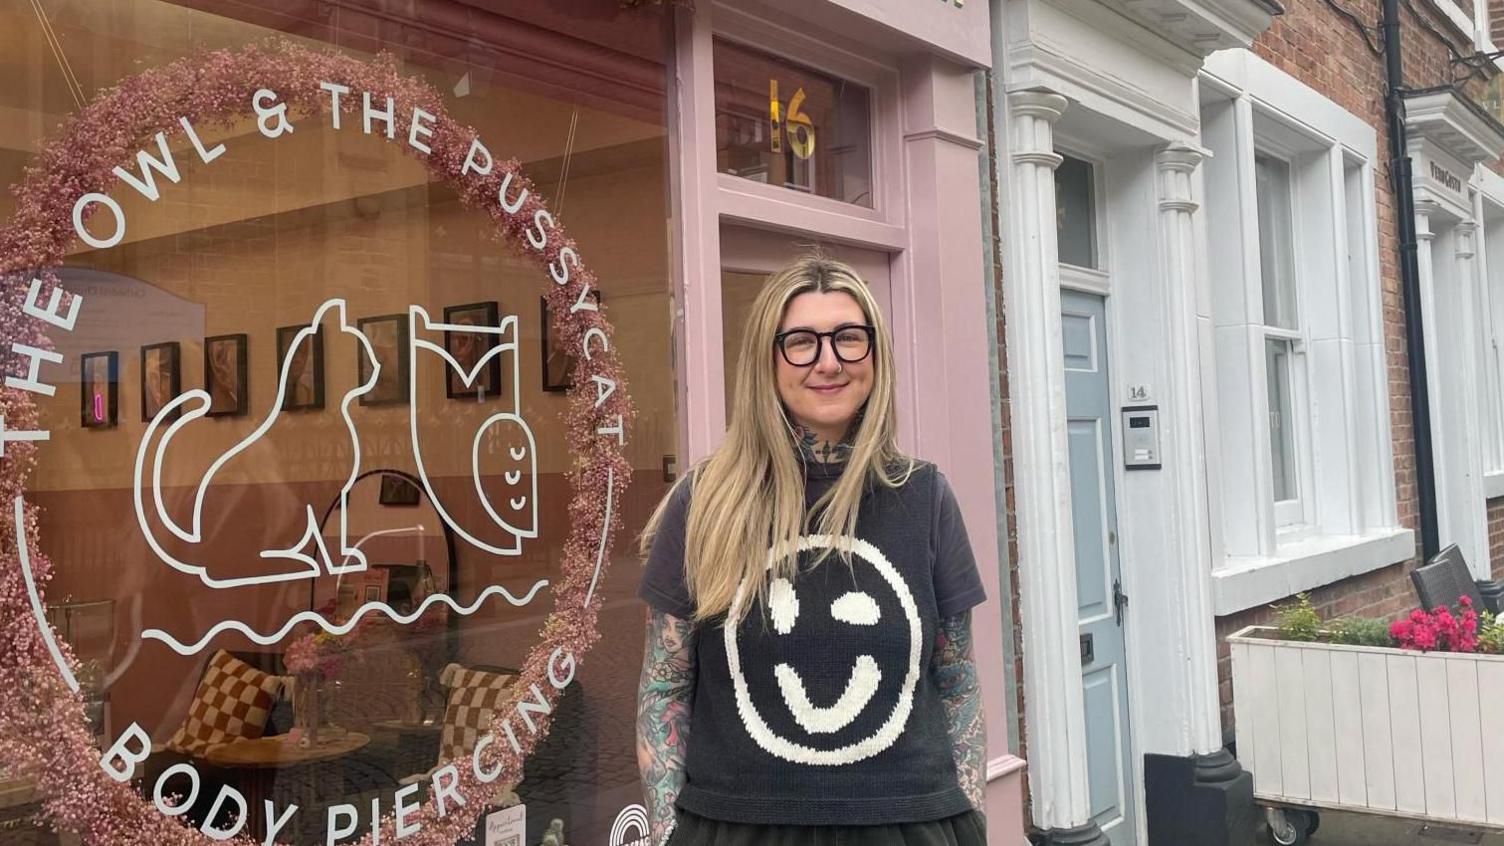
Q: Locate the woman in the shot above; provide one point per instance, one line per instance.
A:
(789, 698)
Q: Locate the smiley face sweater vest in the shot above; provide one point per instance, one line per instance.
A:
(821, 708)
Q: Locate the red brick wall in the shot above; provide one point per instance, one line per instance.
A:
(1496, 531)
(1009, 495)
(1325, 51)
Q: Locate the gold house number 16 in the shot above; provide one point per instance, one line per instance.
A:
(801, 132)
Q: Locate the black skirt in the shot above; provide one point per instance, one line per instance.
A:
(968, 829)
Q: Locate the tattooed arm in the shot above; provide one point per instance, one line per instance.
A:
(956, 674)
(663, 700)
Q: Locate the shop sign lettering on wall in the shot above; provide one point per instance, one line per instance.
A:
(596, 429)
(1446, 177)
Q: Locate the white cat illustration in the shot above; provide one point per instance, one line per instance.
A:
(505, 489)
(311, 551)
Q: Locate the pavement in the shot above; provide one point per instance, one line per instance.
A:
(1344, 829)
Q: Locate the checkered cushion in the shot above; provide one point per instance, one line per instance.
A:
(474, 697)
(232, 702)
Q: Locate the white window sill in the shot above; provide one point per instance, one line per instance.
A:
(1244, 582)
(1493, 485)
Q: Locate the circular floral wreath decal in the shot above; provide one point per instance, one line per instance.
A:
(42, 728)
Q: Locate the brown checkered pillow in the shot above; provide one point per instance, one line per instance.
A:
(474, 697)
(232, 702)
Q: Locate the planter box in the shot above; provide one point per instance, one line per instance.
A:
(1415, 734)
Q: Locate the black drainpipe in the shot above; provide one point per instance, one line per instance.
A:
(1403, 184)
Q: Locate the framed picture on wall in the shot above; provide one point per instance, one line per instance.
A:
(388, 337)
(225, 375)
(398, 490)
(305, 380)
(558, 364)
(468, 348)
(161, 378)
(99, 390)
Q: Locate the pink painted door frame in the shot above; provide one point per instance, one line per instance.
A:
(927, 219)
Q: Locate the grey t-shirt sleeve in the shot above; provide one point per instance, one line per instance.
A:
(958, 585)
(663, 586)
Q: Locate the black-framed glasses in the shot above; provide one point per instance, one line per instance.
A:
(802, 347)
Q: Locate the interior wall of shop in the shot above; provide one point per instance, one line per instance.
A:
(262, 235)
(1322, 49)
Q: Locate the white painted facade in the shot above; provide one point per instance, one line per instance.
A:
(1173, 117)
(1114, 85)
(1339, 519)
(1457, 202)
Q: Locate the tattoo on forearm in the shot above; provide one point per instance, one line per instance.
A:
(956, 674)
(663, 703)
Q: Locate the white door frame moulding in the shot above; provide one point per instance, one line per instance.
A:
(1055, 710)
(1450, 137)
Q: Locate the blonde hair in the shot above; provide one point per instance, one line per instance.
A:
(748, 495)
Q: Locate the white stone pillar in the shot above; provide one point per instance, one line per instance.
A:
(1189, 570)
(1036, 386)
(1469, 349)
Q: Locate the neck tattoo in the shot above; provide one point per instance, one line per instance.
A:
(814, 448)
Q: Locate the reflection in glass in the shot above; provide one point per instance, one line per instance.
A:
(784, 124)
(249, 247)
(1076, 213)
(1278, 363)
(1276, 249)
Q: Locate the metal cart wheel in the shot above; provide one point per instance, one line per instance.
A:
(1291, 826)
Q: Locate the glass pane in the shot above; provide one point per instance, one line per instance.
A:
(783, 124)
(1278, 361)
(386, 436)
(1276, 250)
(1076, 213)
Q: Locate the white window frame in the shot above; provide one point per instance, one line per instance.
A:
(1292, 516)
(1098, 211)
(1345, 521)
(1490, 275)
(1472, 23)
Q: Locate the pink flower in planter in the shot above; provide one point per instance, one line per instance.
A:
(1439, 629)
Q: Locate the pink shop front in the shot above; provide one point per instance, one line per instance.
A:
(384, 324)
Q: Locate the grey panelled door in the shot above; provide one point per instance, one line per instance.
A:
(1100, 602)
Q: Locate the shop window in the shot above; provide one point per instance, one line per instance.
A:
(343, 232)
(1076, 212)
(1300, 425)
(781, 123)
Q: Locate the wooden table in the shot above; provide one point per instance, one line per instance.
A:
(270, 768)
(277, 753)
